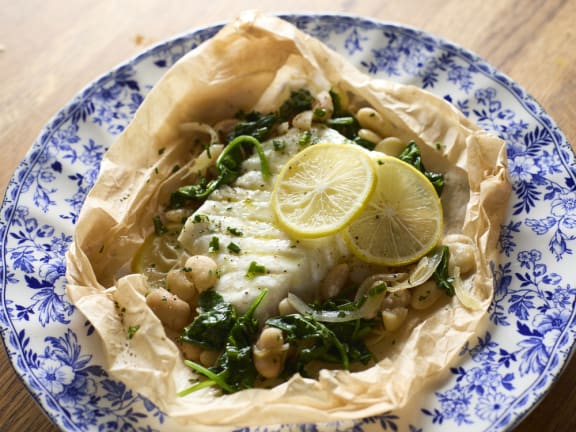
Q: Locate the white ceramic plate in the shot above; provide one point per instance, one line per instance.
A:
(501, 375)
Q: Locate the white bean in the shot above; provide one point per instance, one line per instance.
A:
(271, 338)
(462, 256)
(202, 271)
(324, 102)
(178, 283)
(282, 128)
(394, 318)
(191, 351)
(391, 146)
(369, 135)
(269, 353)
(208, 357)
(397, 299)
(303, 120)
(425, 295)
(172, 311)
(268, 364)
(177, 215)
(369, 118)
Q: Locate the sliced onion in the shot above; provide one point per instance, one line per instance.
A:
(394, 282)
(421, 273)
(462, 294)
(376, 279)
(201, 127)
(367, 310)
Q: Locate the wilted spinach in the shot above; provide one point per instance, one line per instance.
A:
(228, 167)
(246, 136)
(234, 370)
(411, 154)
(213, 323)
(441, 275)
(340, 343)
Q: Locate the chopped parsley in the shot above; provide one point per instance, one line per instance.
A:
(320, 113)
(279, 145)
(200, 218)
(255, 269)
(235, 231)
(132, 331)
(305, 139)
(233, 247)
(214, 245)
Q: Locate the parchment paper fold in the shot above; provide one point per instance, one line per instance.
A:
(251, 64)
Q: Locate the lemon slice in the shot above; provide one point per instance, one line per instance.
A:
(322, 188)
(402, 221)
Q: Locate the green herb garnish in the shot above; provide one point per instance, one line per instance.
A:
(279, 145)
(255, 269)
(441, 276)
(132, 331)
(411, 154)
(159, 227)
(214, 245)
(228, 166)
(235, 231)
(233, 247)
(218, 321)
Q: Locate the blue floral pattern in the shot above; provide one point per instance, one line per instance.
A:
(500, 375)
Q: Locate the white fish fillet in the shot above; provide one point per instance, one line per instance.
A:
(291, 265)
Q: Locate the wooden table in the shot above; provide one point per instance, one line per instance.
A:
(50, 50)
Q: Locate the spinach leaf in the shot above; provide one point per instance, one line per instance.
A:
(411, 154)
(337, 109)
(299, 100)
(345, 123)
(337, 343)
(212, 325)
(353, 332)
(254, 124)
(228, 168)
(441, 276)
(235, 366)
(342, 121)
(234, 370)
(252, 128)
(258, 125)
(312, 339)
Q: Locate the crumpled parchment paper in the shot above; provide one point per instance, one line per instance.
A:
(251, 64)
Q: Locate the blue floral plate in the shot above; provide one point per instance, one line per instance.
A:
(500, 376)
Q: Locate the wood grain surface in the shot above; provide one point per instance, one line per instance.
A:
(50, 50)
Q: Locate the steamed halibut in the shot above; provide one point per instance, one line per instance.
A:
(241, 219)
